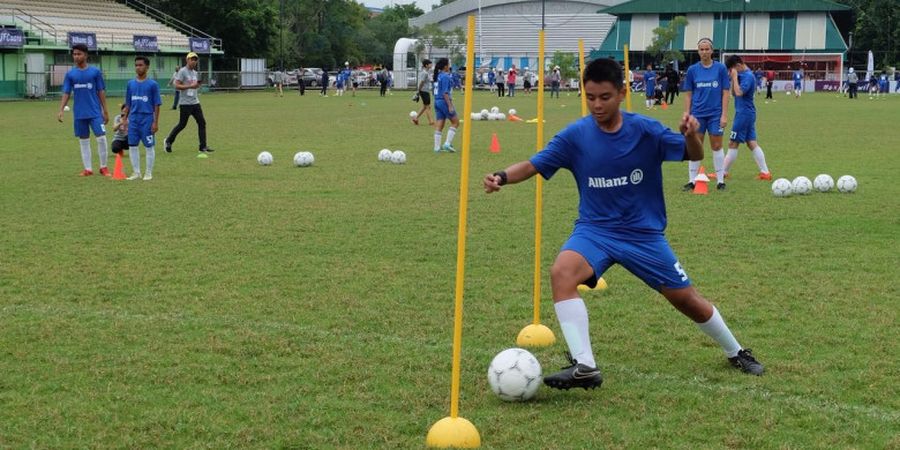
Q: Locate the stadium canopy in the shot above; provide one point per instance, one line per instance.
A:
(713, 6)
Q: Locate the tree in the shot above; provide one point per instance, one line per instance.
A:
(567, 62)
(663, 37)
(876, 28)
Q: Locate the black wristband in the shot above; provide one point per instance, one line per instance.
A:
(502, 175)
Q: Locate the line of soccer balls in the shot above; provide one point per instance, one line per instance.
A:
(301, 159)
(801, 185)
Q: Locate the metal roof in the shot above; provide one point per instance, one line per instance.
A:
(711, 6)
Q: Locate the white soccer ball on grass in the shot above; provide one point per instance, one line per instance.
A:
(398, 157)
(384, 155)
(413, 114)
(781, 187)
(512, 111)
(495, 110)
(846, 184)
(514, 375)
(66, 108)
(265, 159)
(304, 159)
(823, 183)
(801, 185)
(485, 114)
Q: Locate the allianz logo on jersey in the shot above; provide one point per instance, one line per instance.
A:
(637, 175)
(84, 85)
(707, 84)
(140, 98)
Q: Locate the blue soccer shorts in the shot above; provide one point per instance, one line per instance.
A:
(140, 129)
(744, 129)
(711, 125)
(83, 127)
(442, 112)
(649, 258)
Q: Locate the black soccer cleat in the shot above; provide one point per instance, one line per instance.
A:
(575, 375)
(206, 150)
(747, 363)
(720, 187)
(688, 187)
(168, 146)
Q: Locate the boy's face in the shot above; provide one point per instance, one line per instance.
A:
(79, 57)
(603, 100)
(140, 68)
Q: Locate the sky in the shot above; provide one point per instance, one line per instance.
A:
(424, 5)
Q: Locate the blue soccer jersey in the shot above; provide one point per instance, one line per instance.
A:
(619, 175)
(444, 85)
(743, 105)
(650, 82)
(84, 85)
(706, 85)
(798, 76)
(142, 97)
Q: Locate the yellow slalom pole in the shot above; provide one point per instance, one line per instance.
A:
(627, 80)
(581, 64)
(455, 431)
(537, 335)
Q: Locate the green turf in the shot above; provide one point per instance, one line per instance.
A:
(225, 304)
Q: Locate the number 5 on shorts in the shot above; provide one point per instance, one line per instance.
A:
(680, 271)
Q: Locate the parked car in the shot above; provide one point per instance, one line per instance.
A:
(289, 79)
(312, 76)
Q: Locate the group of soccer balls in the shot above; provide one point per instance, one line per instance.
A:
(493, 114)
(801, 185)
(301, 159)
(395, 157)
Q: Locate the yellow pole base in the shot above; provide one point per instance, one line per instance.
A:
(601, 286)
(453, 432)
(535, 335)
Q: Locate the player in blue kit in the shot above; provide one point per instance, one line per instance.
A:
(142, 102)
(743, 131)
(85, 84)
(443, 106)
(798, 82)
(707, 87)
(616, 159)
(650, 86)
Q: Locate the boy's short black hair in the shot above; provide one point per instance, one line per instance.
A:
(732, 61)
(143, 58)
(602, 69)
(80, 47)
(426, 62)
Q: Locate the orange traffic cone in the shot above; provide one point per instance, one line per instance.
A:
(514, 118)
(701, 182)
(118, 172)
(664, 105)
(495, 144)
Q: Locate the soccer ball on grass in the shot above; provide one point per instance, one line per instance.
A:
(384, 155)
(781, 187)
(846, 184)
(801, 185)
(304, 159)
(514, 375)
(265, 159)
(398, 157)
(823, 183)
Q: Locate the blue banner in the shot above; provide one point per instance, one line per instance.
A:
(200, 45)
(88, 39)
(11, 38)
(146, 43)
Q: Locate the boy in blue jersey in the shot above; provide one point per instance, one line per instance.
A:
(649, 86)
(142, 102)
(85, 84)
(743, 86)
(706, 86)
(616, 159)
(798, 82)
(443, 106)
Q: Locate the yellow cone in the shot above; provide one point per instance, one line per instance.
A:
(453, 432)
(535, 335)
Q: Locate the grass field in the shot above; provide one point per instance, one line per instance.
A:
(225, 304)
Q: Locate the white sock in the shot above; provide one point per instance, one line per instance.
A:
(719, 164)
(151, 158)
(573, 319)
(85, 145)
(715, 328)
(134, 155)
(730, 157)
(760, 158)
(437, 139)
(451, 133)
(693, 169)
(102, 150)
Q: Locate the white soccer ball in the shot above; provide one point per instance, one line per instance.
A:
(514, 375)
(823, 183)
(501, 116)
(398, 157)
(66, 108)
(512, 112)
(495, 110)
(485, 114)
(304, 159)
(265, 159)
(384, 155)
(846, 184)
(781, 187)
(413, 114)
(475, 116)
(801, 185)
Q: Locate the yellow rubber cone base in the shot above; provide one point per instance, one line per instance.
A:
(535, 336)
(453, 432)
(601, 286)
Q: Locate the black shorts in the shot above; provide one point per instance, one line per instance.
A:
(426, 97)
(527, 84)
(119, 145)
